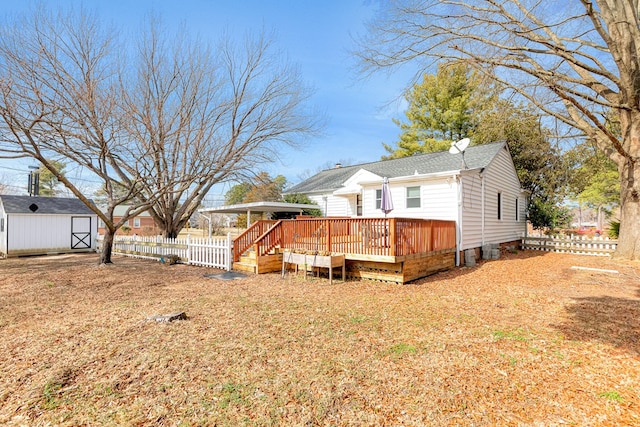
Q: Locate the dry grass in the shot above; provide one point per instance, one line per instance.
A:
(524, 340)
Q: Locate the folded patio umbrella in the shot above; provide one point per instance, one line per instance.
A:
(386, 203)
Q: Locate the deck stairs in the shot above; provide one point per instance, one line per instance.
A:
(249, 262)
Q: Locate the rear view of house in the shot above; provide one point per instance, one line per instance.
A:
(479, 190)
(42, 225)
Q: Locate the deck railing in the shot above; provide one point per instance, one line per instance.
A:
(244, 241)
(361, 236)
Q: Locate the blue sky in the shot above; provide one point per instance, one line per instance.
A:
(315, 35)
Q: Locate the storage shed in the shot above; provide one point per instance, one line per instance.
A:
(43, 225)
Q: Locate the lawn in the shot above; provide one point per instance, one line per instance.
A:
(524, 340)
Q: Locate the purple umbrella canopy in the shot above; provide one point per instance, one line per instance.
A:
(386, 203)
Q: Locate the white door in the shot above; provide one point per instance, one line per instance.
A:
(80, 232)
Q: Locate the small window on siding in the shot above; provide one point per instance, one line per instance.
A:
(1, 225)
(136, 222)
(358, 205)
(413, 197)
(378, 199)
(499, 205)
(517, 212)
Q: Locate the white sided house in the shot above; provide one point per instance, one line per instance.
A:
(43, 225)
(481, 192)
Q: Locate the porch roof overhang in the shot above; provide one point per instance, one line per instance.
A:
(348, 191)
(248, 208)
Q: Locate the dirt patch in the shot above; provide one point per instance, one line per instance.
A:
(524, 340)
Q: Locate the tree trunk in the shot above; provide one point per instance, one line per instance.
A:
(629, 238)
(107, 247)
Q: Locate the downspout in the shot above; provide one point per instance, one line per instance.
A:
(458, 180)
(482, 207)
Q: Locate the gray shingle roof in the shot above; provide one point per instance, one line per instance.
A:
(45, 205)
(476, 157)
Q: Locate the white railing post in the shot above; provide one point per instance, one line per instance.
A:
(229, 252)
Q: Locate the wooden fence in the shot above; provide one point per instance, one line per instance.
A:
(581, 245)
(214, 252)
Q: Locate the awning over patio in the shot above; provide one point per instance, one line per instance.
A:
(254, 207)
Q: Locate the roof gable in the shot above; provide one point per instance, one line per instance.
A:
(44, 205)
(352, 186)
(475, 157)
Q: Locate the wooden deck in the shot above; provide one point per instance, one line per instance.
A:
(388, 249)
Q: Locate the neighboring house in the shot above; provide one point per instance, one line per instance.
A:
(483, 194)
(42, 225)
(142, 224)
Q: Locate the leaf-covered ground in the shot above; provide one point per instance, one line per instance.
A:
(524, 340)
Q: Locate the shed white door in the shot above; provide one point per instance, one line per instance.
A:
(80, 232)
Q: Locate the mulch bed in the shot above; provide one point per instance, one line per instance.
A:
(524, 340)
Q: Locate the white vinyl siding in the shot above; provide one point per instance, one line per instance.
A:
(471, 210)
(334, 205)
(438, 200)
(41, 232)
(500, 177)
(31, 233)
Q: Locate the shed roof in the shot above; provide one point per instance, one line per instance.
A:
(44, 205)
(476, 157)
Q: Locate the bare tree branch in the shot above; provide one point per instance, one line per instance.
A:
(577, 61)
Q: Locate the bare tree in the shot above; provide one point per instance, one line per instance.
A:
(157, 134)
(4, 187)
(577, 61)
(59, 86)
(202, 119)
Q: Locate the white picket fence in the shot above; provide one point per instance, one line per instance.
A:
(581, 245)
(213, 252)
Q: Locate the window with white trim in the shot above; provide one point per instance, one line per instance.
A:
(413, 197)
(136, 222)
(378, 199)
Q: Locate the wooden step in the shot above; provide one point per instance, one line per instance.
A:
(245, 267)
(248, 260)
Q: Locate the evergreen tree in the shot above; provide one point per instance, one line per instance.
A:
(48, 181)
(442, 108)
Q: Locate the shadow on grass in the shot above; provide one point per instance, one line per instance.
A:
(609, 320)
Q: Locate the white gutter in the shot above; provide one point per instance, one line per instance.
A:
(418, 177)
